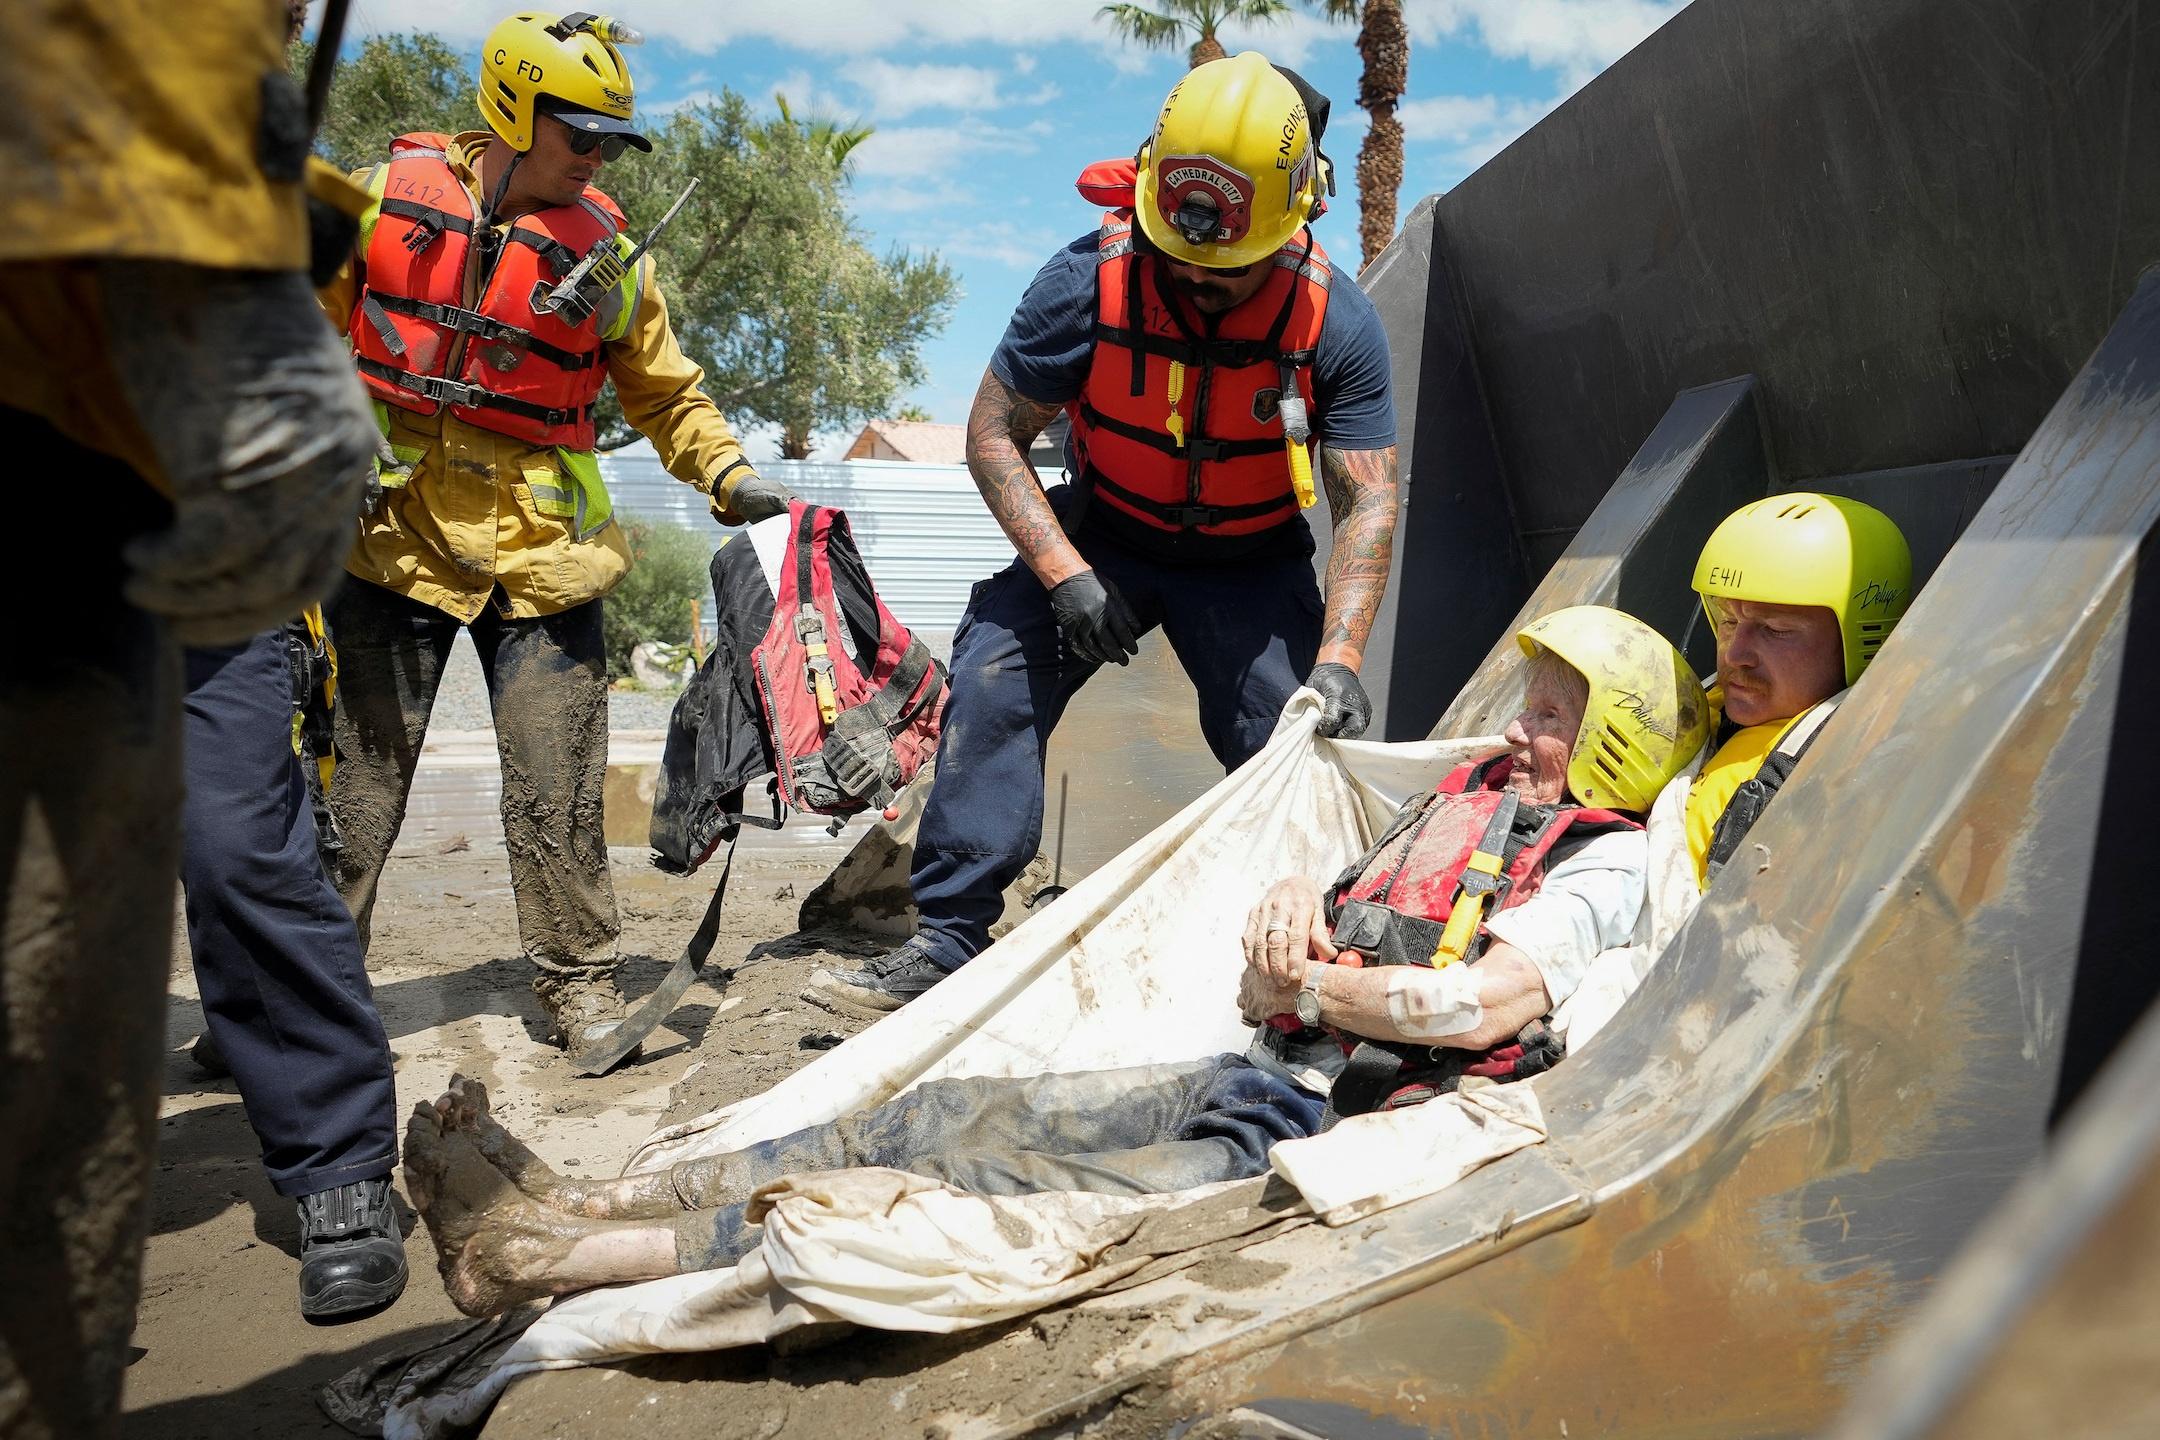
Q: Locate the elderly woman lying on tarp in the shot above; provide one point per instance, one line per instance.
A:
(1451, 941)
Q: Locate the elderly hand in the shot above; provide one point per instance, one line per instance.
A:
(1260, 996)
(1286, 931)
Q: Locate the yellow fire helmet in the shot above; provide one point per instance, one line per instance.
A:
(1232, 171)
(1810, 549)
(1647, 715)
(570, 66)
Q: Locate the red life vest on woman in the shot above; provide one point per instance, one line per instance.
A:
(1393, 902)
(1220, 466)
(520, 372)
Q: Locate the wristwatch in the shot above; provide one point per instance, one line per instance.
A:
(1308, 998)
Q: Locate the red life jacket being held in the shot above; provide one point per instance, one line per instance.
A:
(1392, 905)
(519, 371)
(853, 714)
(1179, 424)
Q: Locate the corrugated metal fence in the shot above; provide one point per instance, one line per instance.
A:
(923, 529)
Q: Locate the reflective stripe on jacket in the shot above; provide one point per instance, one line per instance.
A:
(1179, 424)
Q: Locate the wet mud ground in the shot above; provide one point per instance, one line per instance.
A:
(219, 1347)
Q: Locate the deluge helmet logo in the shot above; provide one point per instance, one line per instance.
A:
(1203, 177)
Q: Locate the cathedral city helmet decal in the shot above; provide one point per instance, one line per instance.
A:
(1183, 178)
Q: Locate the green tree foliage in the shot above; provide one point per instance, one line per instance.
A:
(769, 284)
(1166, 25)
(667, 573)
(395, 85)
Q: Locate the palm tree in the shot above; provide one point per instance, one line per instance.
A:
(1384, 44)
(1165, 27)
(836, 139)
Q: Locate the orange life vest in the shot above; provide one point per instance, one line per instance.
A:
(520, 372)
(1179, 423)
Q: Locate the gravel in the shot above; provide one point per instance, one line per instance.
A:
(462, 703)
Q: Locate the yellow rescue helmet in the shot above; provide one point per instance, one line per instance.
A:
(568, 66)
(1810, 549)
(1233, 170)
(1647, 715)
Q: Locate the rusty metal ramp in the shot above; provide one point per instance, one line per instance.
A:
(1846, 1058)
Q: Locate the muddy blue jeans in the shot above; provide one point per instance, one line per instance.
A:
(547, 682)
(1144, 1130)
(1245, 632)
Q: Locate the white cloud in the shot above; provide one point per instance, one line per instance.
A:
(1576, 37)
(939, 153)
(848, 27)
(1474, 127)
(1017, 247)
(897, 90)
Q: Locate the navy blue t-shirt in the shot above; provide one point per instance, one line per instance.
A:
(1051, 340)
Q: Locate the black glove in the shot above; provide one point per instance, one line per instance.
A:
(1346, 710)
(757, 498)
(1094, 619)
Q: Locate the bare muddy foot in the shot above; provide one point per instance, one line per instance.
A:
(464, 1109)
(493, 1245)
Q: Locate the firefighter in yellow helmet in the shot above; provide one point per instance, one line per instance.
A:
(198, 441)
(1210, 359)
(1801, 591)
(492, 514)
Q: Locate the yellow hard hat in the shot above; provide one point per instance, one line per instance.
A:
(1810, 549)
(1647, 714)
(1232, 171)
(568, 66)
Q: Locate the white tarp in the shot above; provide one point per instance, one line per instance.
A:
(1137, 964)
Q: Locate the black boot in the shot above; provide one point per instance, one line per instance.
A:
(881, 986)
(352, 1259)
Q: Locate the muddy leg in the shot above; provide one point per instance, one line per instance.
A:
(547, 678)
(496, 1247)
(391, 653)
(89, 850)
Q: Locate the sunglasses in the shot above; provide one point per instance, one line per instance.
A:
(584, 142)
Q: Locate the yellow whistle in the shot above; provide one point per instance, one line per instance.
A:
(1176, 423)
(1301, 473)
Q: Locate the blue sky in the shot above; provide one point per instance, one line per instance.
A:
(985, 110)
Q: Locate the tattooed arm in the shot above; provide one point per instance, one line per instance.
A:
(1001, 425)
(1361, 488)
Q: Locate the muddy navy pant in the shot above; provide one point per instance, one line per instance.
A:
(1144, 1130)
(547, 681)
(1245, 633)
(284, 988)
(89, 846)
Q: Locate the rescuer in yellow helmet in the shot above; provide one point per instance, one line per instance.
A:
(1801, 591)
(195, 442)
(493, 515)
(1208, 357)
